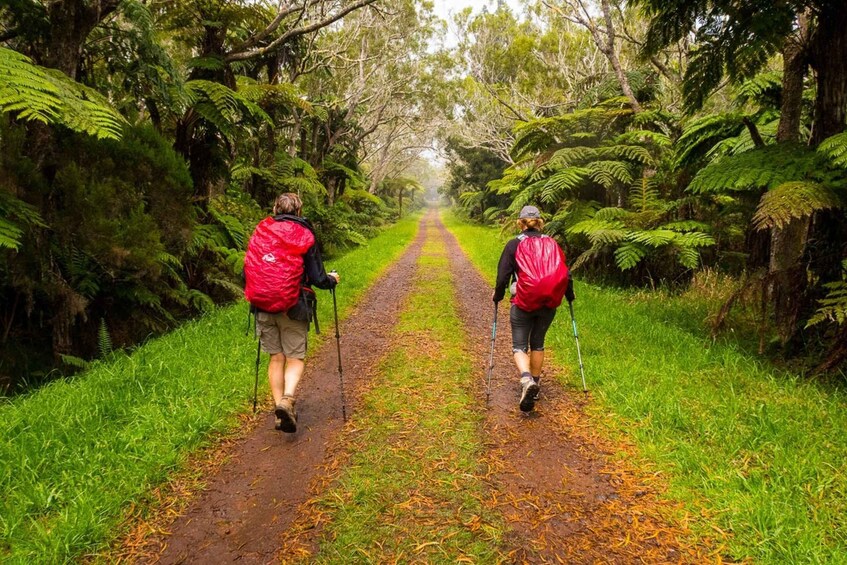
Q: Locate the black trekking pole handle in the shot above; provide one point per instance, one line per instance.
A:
(578, 352)
(338, 346)
(491, 356)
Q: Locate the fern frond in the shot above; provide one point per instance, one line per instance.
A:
(833, 307)
(563, 182)
(629, 255)
(643, 195)
(694, 239)
(653, 238)
(33, 93)
(609, 173)
(644, 137)
(792, 200)
(686, 226)
(766, 167)
(701, 135)
(104, 340)
(835, 149)
(688, 257)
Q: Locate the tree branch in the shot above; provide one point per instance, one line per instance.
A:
(296, 32)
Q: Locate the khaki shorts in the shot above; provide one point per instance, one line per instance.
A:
(280, 334)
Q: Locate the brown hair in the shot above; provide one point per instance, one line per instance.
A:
(530, 224)
(288, 203)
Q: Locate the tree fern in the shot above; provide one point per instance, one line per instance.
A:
(701, 135)
(792, 200)
(223, 107)
(33, 93)
(763, 168)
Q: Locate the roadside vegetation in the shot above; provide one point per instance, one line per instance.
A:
(659, 140)
(140, 143)
(750, 449)
(79, 453)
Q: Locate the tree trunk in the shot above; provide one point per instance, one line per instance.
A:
(828, 236)
(70, 23)
(611, 54)
(786, 276)
(829, 59)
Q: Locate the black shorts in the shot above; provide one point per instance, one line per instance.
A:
(529, 328)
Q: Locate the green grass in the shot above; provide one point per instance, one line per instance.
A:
(76, 454)
(410, 491)
(764, 452)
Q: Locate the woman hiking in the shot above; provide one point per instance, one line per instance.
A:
(533, 266)
(281, 265)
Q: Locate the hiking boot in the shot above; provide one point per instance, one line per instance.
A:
(528, 391)
(538, 392)
(286, 415)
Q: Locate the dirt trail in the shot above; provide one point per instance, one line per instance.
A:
(552, 479)
(253, 497)
(565, 499)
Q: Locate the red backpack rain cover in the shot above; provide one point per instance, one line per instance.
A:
(543, 277)
(273, 266)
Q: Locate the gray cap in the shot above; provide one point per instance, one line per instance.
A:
(529, 212)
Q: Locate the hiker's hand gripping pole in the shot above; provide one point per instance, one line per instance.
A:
(338, 346)
(491, 357)
(578, 353)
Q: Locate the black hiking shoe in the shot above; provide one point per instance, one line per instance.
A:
(538, 392)
(528, 392)
(286, 416)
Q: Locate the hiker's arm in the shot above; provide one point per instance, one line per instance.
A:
(315, 270)
(505, 269)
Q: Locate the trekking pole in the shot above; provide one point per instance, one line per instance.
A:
(579, 354)
(256, 386)
(338, 345)
(491, 357)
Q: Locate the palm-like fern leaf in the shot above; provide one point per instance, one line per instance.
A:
(793, 200)
(835, 149)
(33, 93)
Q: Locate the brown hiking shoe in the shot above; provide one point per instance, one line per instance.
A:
(286, 415)
(528, 391)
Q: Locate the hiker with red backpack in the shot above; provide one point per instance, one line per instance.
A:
(281, 266)
(533, 266)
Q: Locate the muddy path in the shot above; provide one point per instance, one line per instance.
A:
(254, 496)
(551, 477)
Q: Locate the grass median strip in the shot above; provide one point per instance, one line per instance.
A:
(411, 489)
(78, 454)
(759, 450)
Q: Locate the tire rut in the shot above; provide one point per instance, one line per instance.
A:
(253, 498)
(566, 500)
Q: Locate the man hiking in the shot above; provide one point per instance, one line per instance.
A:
(280, 267)
(536, 264)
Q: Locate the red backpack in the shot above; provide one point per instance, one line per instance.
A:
(273, 265)
(543, 277)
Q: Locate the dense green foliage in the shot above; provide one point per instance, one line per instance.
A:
(680, 143)
(141, 143)
(77, 453)
(752, 451)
